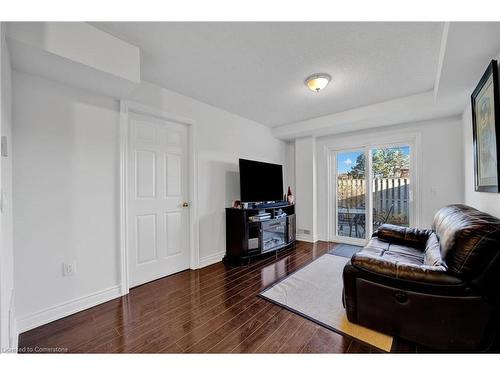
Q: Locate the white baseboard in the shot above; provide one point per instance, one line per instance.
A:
(15, 337)
(67, 308)
(211, 259)
(13, 333)
(305, 238)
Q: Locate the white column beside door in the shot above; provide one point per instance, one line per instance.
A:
(157, 212)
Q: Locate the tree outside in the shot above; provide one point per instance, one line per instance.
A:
(386, 163)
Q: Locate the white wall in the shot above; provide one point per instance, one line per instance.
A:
(66, 165)
(65, 196)
(440, 165)
(487, 202)
(305, 188)
(8, 337)
(289, 168)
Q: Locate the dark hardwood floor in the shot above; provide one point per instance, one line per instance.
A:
(212, 310)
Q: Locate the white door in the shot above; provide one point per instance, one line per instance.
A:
(158, 221)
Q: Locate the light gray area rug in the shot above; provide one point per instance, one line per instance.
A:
(315, 292)
(344, 250)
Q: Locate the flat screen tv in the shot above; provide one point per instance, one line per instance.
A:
(260, 182)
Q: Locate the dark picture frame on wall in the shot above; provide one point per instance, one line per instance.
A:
(486, 131)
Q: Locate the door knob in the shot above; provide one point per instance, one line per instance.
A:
(185, 204)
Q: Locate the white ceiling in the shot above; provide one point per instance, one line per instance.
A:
(469, 48)
(257, 70)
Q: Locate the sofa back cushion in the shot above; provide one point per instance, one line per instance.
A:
(413, 237)
(432, 253)
(469, 239)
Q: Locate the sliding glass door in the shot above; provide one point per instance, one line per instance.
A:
(373, 186)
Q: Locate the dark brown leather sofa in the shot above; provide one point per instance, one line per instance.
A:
(439, 288)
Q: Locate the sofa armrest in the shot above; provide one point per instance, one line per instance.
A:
(412, 237)
(403, 271)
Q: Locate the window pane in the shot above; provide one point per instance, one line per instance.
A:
(391, 186)
(351, 189)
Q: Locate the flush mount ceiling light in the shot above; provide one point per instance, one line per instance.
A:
(318, 81)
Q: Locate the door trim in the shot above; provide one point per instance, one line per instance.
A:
(127, 107)
(413, 139)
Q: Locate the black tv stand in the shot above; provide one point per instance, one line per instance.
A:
(248, 236)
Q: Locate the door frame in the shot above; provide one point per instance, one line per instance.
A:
(126, 108)
(353, 143)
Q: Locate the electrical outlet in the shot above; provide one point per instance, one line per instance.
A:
(69, 269)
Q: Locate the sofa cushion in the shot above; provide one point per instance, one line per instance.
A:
(468, 238)
(393, 252)
(400, 262)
